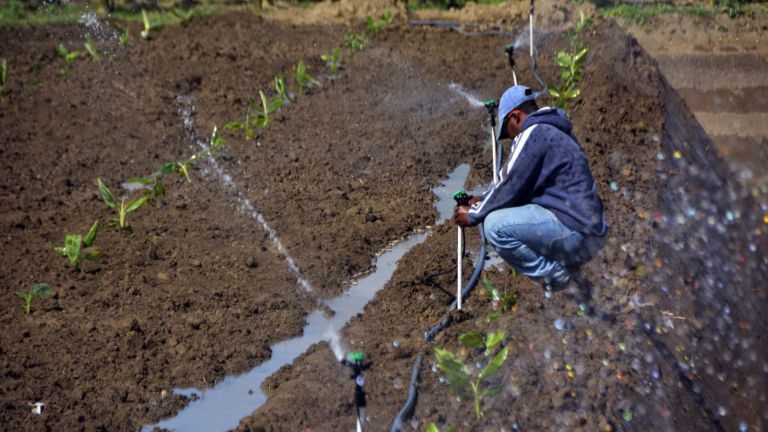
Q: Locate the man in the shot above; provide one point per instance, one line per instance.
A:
(544, 217)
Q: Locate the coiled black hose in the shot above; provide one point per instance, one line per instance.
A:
(407, 409)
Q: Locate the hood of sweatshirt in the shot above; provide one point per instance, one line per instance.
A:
(551, 116)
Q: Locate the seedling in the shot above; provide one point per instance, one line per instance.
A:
(184, 169)
(303, 79)
(282, 89)
(216, 141)
(355, 42)
(433, 428)
(90, 46)
(68, 56)
(184, 16)
(74, 247)
(373, 27)
(262, 116)
(125, 37)
(36, 74)
(500, 302)
(458, 374)
(236, 125)
(148, 25)
(153, 188)
(123, 209)
(332, 60)
(572, 74)
(38, 290)
(3, 77)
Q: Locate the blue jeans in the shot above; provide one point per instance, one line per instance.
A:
(535, 243)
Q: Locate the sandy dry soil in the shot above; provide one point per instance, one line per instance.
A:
(199, 291)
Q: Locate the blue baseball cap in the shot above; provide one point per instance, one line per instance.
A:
(510, 100)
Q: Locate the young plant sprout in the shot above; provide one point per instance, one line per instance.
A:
(125, 37)
(3, 77)
(262, 116)
(236, 125)
(216, 141)
(332, 60)
(304, 80)
(355, 42)
(458, 375)
(90, 46)
(74, 247)
(184, 16)
(123, 209)
(38, 290)
(282, 89)
(68, 56)
(573, 65)
(501, 302)
(35, 73)
(373, 27)
(184, 169)
(153, 188)
(433, 428)
(148, 25)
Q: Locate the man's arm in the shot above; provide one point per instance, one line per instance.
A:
(522, 171)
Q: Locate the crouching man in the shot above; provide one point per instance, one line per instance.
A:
(544, 217)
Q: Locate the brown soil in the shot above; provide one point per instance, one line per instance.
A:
(198, 291)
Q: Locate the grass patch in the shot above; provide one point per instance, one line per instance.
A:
(642, 13)
(15, 13)
(446, 4)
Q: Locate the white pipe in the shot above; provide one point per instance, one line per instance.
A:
(458, 266)
(514, 77)
(530, 33)
(495, 150)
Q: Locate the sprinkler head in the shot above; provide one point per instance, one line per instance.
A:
(461, 197)
(356, 357)
(510, 50)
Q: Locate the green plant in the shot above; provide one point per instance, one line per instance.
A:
(125, 37)
(501, 302)
(75, 246)
(38, 290)
(355, 42)
(433, 428)
(217, 142)
(184, 16)
(573, 65)
(458, 374)
(262, 115)
(123, 209)
(735, 8)
(373, 27)
(68, 56)
(90, 46)
(148, 25)
(35, 74)
(332, 59)
(236, 125)
(303, 79)
(3, 77)
(152, 187)
(282, 98)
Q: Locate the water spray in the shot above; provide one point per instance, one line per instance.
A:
(532, 50)
(355, 361)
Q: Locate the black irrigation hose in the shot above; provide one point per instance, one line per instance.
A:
(407, 409)
(430, 279)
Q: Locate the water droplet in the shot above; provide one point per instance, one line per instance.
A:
(396, 343)
(729, 215)
(656, 374)
(615, 188)
(660, 156)
(547, 294)
(559, 324)
(743, 426)
(721, 411)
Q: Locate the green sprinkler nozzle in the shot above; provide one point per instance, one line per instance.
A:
(355, 356)
(461, 197)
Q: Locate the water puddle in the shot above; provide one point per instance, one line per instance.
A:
(222, 407)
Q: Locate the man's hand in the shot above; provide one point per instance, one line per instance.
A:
(461, 216)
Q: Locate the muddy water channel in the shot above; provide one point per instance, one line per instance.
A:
(222, 407)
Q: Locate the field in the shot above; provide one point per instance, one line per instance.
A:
(266, 229)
